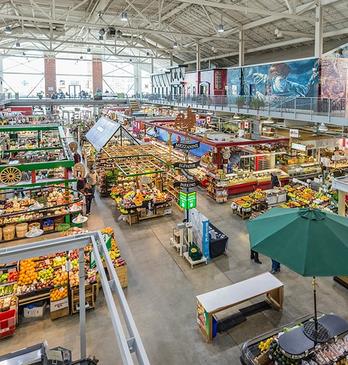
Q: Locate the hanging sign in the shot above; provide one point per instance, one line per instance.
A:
(187, 200)
(186, 165)
(294, 133)
(185, 184)
(186, 146)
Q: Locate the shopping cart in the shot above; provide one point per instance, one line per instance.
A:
(7, 323)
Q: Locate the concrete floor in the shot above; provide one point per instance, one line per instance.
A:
(162, 290)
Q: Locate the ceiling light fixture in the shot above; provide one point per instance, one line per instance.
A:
(124, 16)
(220, 28)
(175, 44)
(88, 50)
(18, 44)
(8, 29)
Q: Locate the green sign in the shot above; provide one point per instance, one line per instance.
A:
(107, 240)
(187, 200)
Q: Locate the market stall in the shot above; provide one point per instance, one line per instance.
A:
(289, 346)
(38, 210)
(289, 196)
(34, 155)
(31, 286)
(139, 190)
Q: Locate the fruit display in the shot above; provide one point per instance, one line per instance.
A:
(27, 273)
(301, 196)
(60, 278)
(7, 289)
(41, 206)
(45, 275)
(136, 199)
(58, 294)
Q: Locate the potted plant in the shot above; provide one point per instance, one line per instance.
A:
(240, 101)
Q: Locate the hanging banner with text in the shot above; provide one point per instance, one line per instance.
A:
(186, 165)
(186, 146)
(187, 200)
(185, 184)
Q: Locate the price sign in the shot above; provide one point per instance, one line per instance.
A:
(294, 133)
(185, 184)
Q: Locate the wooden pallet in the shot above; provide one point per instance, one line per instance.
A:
(91, 292)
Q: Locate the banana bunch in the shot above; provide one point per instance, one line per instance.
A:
(265, 345)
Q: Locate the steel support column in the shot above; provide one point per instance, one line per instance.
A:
(198, 57)
(318, 40)
(241, 48)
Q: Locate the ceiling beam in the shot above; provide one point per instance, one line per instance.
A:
(246, 9)
(97, 26)
(270, 19)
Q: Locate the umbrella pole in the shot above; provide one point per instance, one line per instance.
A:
(314, 283)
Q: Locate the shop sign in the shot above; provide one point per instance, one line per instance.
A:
(299, 147)
(186, 165)
(186, 146)
(187, 200)
(185, 184)
(294, 133)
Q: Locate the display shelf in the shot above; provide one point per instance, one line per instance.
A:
(193, 263)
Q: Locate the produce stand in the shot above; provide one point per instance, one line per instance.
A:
(34, 155)
(29, 284)
(140, 194)
(211, 303)
(45, 208)
(290, 346)
(289, 196)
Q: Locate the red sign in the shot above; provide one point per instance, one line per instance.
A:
(25, 110)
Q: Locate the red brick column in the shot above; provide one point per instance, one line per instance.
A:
(50, 76)
(97, 74)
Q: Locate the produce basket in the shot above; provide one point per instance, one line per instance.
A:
(9, 232)
(21, 229)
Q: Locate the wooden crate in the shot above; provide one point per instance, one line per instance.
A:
(91, 292)
(60, 313)
(122, 274)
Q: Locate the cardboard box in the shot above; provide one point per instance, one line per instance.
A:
(59, 304)
(34, 312)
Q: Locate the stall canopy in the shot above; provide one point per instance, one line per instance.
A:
(104, 130)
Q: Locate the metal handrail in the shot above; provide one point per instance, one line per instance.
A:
(309, 106)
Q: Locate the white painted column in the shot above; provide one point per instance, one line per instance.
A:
(318, 36)
(137, 78)
(198, 57)
(1, 75)
(241, 48)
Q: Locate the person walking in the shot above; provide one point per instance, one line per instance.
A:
(275, 180)
(275, 267)
(92, 178)
(88, 193)
(255, 256)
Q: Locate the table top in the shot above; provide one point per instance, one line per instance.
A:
(231, 295)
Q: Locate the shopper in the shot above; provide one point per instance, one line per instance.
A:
(80, 185)
(255, 256)
(88, 193)
(275, 267)
(77, 157)
(92, 178)
(275, 180)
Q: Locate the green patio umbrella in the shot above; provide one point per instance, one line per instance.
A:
(308, 241)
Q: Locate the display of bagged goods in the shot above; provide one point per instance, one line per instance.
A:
(9, 232)
(21, 229)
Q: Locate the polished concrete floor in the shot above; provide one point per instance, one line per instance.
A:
(162, 290)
